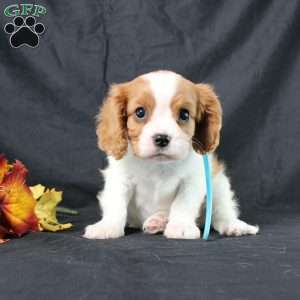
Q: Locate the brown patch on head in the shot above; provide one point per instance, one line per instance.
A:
(117, 122)
(140, 97)
(185, 99)
(111, 122)
(208, 126)
(204, 108)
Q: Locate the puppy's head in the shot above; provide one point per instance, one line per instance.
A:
(162, 115)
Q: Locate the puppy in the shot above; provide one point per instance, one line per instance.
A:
(154, 130)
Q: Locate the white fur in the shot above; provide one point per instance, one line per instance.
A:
(225, 209)
(159, 195)
(163, 86)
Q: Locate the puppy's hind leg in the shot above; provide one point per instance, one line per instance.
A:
(225, 210)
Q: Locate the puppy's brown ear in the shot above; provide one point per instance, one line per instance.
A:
(111, 122)
(209, 120)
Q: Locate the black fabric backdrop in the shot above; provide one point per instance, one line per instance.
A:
(249, 50)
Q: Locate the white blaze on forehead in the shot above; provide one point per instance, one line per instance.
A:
(163, 85)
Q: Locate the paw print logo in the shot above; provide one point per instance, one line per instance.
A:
(24, 32)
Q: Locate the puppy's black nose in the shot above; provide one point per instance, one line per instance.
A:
(161, 140)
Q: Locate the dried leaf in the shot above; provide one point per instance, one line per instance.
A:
(46, 211)
(37, 191)
(17, 202)
(4, 167)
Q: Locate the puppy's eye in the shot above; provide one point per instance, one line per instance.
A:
(140, 112)
(184, 115)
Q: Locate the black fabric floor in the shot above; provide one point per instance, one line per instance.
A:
(138, 266)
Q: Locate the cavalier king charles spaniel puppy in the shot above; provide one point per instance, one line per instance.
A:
(155, 130)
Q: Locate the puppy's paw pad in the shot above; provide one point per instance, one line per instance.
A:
(237, 228)
(101, 230)
(182, 231)
(155, 224)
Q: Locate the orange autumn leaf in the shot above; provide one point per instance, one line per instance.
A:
(16, 201)
(4, 167)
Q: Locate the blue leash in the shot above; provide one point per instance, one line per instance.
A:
(209, 196)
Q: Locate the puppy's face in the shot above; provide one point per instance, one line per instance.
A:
(162, 115)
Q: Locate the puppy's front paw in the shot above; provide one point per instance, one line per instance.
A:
(155, 223)
(182, 231)
(236, 228)
(102, 230)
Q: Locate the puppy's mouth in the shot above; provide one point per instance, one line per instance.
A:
(161, 157)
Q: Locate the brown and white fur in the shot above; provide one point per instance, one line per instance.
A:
(162, 189)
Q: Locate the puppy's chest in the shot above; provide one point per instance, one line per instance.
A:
(152, 194)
